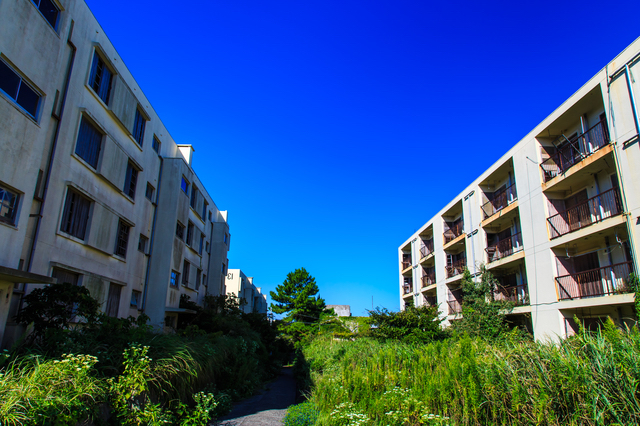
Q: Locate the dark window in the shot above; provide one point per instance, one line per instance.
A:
(185, 273)
(207, 249)
(100, 78)
(226, 238)
(204, 210)
(142, 243)
(180, 231)
(210, 216)
(8, 205)
(75, 215)
(175, 279)
(204, 279)
(223, 272)
(130, 180)
(136, 299)
(113, 300)
(138, 127)
(194, 197)
(156, 145)
(49, 10)
(201, 244)
(198, 277)
(89, 143)
(190, 234)
(65, 276)
(150, 191)
(184, 186)
(122, 239)
(18, 90)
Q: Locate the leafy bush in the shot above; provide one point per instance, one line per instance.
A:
(304, 414)
(420, 324)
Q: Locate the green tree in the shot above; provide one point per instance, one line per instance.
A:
(415, 325)
(296, 298)
(482, 315)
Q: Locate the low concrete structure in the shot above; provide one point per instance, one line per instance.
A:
(341, 310)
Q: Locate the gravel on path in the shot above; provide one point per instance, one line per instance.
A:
(268, 407)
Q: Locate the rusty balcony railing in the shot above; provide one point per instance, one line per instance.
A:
(505, 247)
(500, 200)
(429, 278)
(456, 268)
(593, 210)
(406, 288)
(602, 281)
(427, 248)
(455, 307)
(453, 231)
(406, 264)
(575, 150)
(517, 294)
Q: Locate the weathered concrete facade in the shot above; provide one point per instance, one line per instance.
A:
(556, 219)
(91, 182)
(241, 286)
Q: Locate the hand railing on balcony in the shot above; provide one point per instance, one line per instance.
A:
(501, 199)
(427, 248)
(456, 268)
(519, 294)
(407, 288)
(454, 231)
(505, 247)
(576, 149)
(406, 264)
(430, 301)
(429, 278)
(455, 307)
(596, 209)
(603, 281)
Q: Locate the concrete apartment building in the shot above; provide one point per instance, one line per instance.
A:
(241, 286)
(93, 189)
(556, 219)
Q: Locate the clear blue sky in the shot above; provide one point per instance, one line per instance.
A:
(324, 127)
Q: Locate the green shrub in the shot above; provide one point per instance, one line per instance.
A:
(304, 414)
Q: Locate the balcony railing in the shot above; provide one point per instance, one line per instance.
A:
(456, 268)
(505, 247)
(576, 150)
(406, 264)
(500, 200)
(427, 248)
(603, 281)
(453, 232)
(430, 301)
(429, 278)
(516, 294)
(407, 289)
(596, 209)
(455, 307)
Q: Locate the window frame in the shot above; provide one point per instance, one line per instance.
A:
(69, 213)
(190, 231)
(13, 209)
(98, 57)
(122, 239)
(174, 279)
(15, 98)
(131, 180)
(184, 185)
(186, 269)
(202, 237)
(144, 240)
(155, 145)
(138, 295)
(198, 278)
(90, 149)
(180, 227)
(38, 4)
(149, 192)
(139, 126)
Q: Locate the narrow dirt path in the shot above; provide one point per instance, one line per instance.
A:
(268, 407)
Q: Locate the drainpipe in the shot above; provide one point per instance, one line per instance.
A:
(632, 97)
(153, 233)
(52, 154)
(472, 232)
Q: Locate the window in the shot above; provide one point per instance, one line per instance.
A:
(138, 127)
(100, 78)
(180, 231)
(210, 216)
(190, 234)
(113, 300)
(122, 239)
(201, 244)
(184, 186)
(130, 180)
(223, 270)
(207, 249)
(198, 277)
(17, 89)
(49, 11)
(156, 145)
(75, 215)
(175, 279)
(142, 243)
(65, 276)
(194, 197)
(89, 143)
(150, 191)
(226, 238)
(204, 279)
(136, 299)
(204, 210)
(185, 273)
(8, 205)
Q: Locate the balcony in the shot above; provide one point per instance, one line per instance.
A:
(405, 264)
(603, 281)
(427, 248)
(456, 268)
(501, 199)
(406, 289)
(429, 278)
(596, 209)
(505, 247)
(575, 150)
(455, 301)
(453, 230)
(430, 300)
(519, 295)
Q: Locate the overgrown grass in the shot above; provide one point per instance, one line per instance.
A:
(590, 379)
